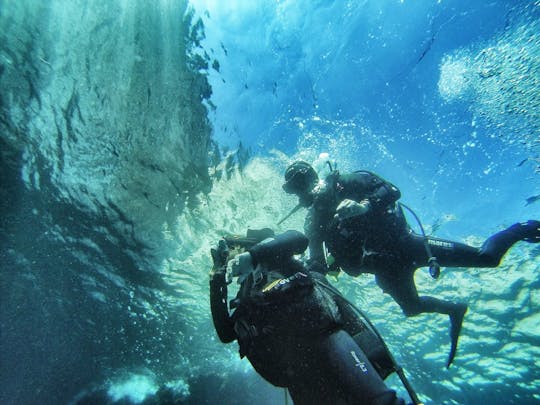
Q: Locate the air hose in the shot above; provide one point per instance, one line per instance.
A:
(290, 213)
(434, 266)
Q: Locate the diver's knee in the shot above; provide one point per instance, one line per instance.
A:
(411, 312)
(489, 260)
(411, 308)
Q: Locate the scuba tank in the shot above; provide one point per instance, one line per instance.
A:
(372, 344)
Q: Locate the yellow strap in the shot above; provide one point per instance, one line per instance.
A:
(268, 287)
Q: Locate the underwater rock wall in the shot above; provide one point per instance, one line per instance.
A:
(104, 141)
(106, 100)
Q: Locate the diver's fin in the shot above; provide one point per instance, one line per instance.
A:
(456, 320)
(531, 231)
(290, 213)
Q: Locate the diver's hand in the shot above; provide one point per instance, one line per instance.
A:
(220, 254)
(349, 208)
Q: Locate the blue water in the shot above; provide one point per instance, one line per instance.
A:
(134, 134)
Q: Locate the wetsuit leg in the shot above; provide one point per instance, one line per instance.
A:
(400, 285)
(455, 254)
(497, 245)
(447, 252)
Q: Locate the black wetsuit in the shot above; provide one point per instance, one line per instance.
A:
(294, 335)
(381, 242)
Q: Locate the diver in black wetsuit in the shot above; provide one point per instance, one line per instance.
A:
(293, 327)
(358, 218)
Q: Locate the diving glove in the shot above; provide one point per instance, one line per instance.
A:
(531, 231)
(220, 254)
(349, 208)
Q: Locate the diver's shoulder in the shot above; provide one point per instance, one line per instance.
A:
(359, 176)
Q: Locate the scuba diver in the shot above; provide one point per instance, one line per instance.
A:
(357, 217)
(294, 327)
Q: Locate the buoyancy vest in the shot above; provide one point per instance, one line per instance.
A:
(274, 311)
(288, 304)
